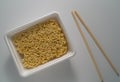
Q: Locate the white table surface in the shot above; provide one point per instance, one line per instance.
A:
(103, 18)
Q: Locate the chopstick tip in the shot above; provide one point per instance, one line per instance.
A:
(72, 11)
(102, 81)
(118, 74)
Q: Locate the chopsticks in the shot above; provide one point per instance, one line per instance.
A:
(75, 14)
(88, 48)
(97, 43)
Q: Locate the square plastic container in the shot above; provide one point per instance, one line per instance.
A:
(26, 72)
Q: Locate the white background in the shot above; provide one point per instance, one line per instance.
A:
(103, 18)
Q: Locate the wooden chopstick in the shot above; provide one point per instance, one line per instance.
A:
(96, 42)
(87, 46)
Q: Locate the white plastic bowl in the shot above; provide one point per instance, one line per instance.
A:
(26, 72)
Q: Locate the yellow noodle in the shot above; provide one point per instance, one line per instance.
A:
(40, 43)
